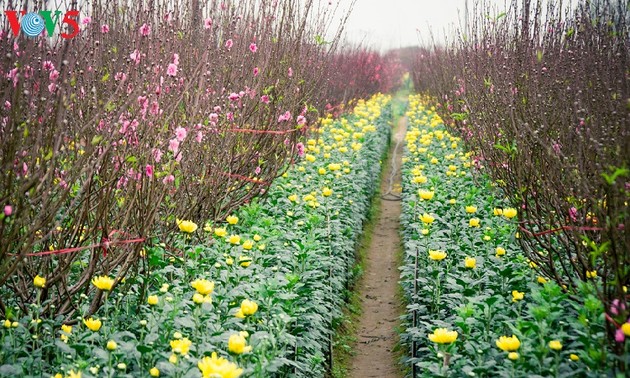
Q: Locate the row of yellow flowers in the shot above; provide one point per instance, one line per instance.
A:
(241, 297)
(477, 306)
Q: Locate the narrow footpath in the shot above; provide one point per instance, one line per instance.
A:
(376, 336)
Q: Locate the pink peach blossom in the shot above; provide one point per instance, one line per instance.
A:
(619, 336)
(214, 118)
(135, 56)
(13, 75)
(573, 212)
(173, 145)
(155, 108)
(616, 306)
(180, 133)
(157, 155)
(145, 30)
(300, 149)
(285, 117)
(171, 70)
(168, 179)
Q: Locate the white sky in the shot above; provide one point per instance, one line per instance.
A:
(398, 23)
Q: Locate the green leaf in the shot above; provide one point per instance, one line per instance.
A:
(320, 40)
(616, 172)
(96, 140)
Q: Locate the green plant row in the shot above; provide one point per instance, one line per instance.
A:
(475, 306)
(256, 296)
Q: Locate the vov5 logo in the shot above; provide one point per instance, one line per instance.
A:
(33, 24)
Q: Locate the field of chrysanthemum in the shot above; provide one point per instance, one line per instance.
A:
(254, 296)
(476, 305)
(188, 189)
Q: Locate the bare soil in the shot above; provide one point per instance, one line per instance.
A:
(376, 336)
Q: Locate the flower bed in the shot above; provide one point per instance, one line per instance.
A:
(475, 305)
(255, 296)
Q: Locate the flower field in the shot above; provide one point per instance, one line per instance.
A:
(476, 305)
(253, 296)
(240, 188)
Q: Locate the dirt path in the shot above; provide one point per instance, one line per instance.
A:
(376, 336)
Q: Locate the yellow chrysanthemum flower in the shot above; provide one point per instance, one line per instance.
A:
(181, 346)
(111, 345)
(426, 194)
(203, 286)
(471, 209)
(238, 344)
(93, 324)
(443, 336)
(215, 366)
(437, 255)
(234, 239)
(555, 345)
(39, 281)
(470, 262)
(104, 283)
(187, 226)
(509, 213)
(427, 218)
(249, 307)
(152, 300)
(508, 344)
(517, 295)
